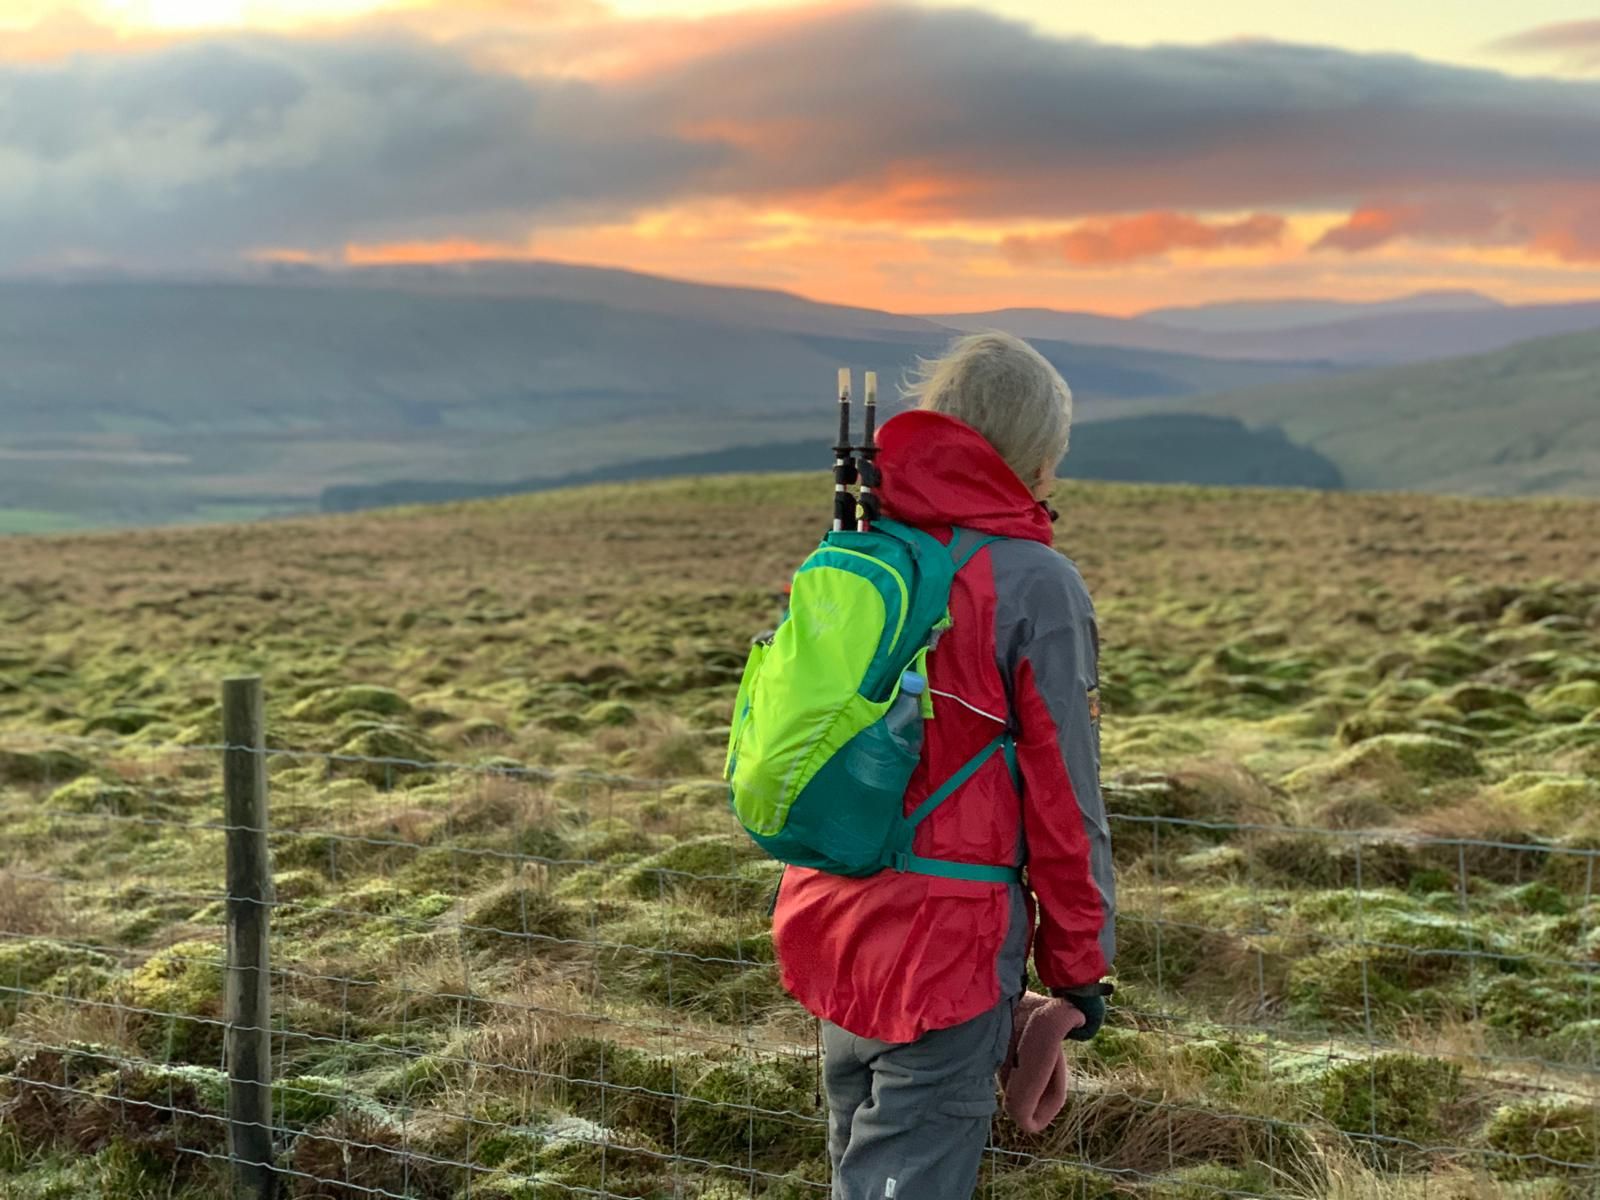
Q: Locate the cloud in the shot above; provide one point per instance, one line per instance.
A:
(215, 146)
(1554, 222)
(1148, 235)
(220, 145)
(1449, 220)
(1576, 42)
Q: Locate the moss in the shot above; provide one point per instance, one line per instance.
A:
(610, 714)
(1537, 897)
(483, 731)
(1118, 1046)
(519, 918)
(121, 721)
(768, 1103)
(1229, 1068)
(1062, 1181)
(562, 722)
(1447, 659)
(1163, 953)
(724, 871)
(304, 1100)
(1553, 795)
(617, 1084)
(88, 794)
(26, 964)
(181, 987)
(1531, 1008)
(1577, 1041)
(1345, 985)
(401, 750)
(724, 977)
(1390, 1100)
(1581, 694)
(1483, 697)
(1362, 726)
(1543, 1139)
(1208, 1181)
(328, 703)
(1421, 757)
(41, 766)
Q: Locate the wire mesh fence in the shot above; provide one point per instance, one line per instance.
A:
(496, 980)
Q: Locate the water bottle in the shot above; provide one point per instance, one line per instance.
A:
(904, 718)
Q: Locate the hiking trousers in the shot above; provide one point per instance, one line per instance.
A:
(910, 1120)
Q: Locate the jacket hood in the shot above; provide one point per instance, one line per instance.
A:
(939, 471)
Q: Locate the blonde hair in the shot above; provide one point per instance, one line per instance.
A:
(1007, 391)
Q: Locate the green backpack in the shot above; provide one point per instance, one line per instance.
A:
(816, 777)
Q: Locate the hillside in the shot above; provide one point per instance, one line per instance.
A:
(1522, 420)
(1350, 748)
(1259, 316)
(141, 402)
(1160, 448)
(1404, 331)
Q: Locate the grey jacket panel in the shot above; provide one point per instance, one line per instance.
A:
(1045, 617)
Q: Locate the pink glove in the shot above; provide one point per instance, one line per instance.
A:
(1034, 1077)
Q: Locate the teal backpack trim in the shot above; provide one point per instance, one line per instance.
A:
(904, 860)
(871, 832)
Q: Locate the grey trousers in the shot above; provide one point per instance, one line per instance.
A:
(910, 1120)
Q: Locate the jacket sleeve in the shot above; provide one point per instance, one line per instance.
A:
(1054, 667)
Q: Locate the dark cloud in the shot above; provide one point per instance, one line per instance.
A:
(213, 146)
(216, 145)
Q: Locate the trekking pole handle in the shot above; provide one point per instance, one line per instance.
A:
(869, 452)
(844, 462)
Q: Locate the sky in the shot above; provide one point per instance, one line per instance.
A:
(935, 157)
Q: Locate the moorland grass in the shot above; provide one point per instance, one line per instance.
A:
(1350, 751)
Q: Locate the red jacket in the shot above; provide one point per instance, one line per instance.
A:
(895, 955)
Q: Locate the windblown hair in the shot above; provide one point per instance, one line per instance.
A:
(1007, 391)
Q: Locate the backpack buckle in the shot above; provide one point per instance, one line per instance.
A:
(900, 860)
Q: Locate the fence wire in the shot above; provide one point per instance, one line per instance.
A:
(495, 980)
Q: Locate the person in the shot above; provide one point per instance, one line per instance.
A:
(914, 977)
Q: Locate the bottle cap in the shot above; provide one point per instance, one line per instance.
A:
(913, 683)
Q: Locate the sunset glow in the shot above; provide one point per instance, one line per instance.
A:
(865, 152)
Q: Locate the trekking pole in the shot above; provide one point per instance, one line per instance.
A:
(869, 451)
(844, 462)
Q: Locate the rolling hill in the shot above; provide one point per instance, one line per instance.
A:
(140, 401)
(1398, 332)
(1521, 420)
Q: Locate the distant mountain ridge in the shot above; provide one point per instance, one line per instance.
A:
(1263, 316)
(1389, 333)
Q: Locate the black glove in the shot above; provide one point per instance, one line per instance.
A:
(1091, 1002)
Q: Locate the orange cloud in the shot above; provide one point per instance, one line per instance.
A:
(1147, 235)
(389, 254)
(1573, 239)
(1563, 224)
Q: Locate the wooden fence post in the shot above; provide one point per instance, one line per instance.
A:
(247, 992)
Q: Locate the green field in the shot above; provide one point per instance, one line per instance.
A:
(1352, 744)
